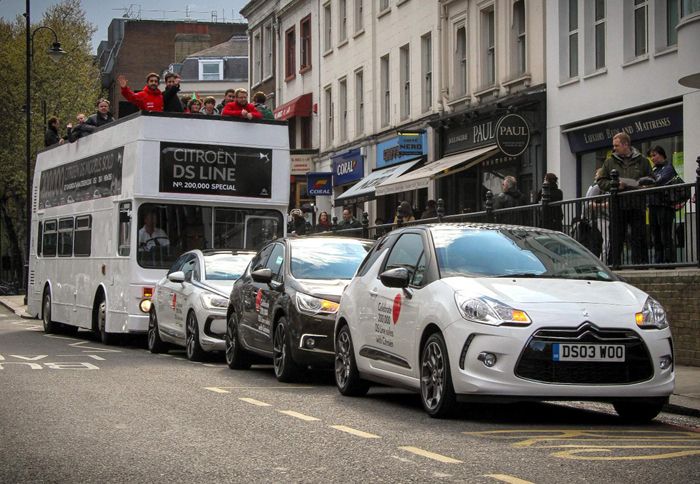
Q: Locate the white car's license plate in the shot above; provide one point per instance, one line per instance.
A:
(587, 352)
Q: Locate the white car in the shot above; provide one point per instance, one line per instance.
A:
(463, 312)
(189, 304)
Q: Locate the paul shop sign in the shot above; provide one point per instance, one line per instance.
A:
(510, 132)
(347, 167)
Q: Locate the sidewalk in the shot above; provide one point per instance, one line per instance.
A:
(685, 399)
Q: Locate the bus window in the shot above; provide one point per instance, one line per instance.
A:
(48, 243)
(124, 228)
(246, 228)
(65, 237)
(82, 243)
(259, 231)
(153, 242)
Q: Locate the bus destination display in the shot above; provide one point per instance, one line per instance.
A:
(215, 170)
(97, 176)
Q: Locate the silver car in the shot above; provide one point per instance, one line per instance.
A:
(189, 303)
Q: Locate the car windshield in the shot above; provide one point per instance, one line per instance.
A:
(225, 266)
(474, 252)
(325, 258)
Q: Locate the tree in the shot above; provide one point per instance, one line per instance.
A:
(65, 88)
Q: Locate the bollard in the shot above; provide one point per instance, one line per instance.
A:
(614, 206)
(546, 210)
(489, 206)
(365, 225)
(440, 209)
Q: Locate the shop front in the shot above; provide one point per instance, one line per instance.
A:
(591, 142)
(302, 162)
(348, 169)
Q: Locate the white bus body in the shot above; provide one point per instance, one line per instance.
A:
(206, 182)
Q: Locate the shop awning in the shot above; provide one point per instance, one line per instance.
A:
(300, 106)
(363, 190)
(421, 177)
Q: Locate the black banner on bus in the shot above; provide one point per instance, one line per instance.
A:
(97, 176)
(215, 170)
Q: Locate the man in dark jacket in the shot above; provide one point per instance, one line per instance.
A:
(508, 198)
(80, 130)
(556, 214)
(102, 116)
(633, 169)
(229, 97)
(171, 99)
(51, 137)
(661, 210)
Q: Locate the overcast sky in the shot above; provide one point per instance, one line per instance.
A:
(101, 12)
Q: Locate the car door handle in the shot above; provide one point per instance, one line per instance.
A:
(373, 293)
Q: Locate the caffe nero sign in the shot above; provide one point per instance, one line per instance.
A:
(215, 170)
(510, 132)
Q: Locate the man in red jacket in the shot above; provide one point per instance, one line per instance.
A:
(149, 98)
(241, 108)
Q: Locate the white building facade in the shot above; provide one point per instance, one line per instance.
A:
(615, 66)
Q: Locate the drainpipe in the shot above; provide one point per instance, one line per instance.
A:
(442, 18)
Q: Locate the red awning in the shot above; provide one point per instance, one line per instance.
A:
(300, 106)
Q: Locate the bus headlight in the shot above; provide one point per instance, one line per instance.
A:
(145, 305)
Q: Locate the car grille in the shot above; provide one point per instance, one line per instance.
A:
(536, 362)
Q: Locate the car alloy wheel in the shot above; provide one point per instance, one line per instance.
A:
(236, 357)
(192, 347)
(155, 344)
(437, 394)
(347, 378)
(285, 369)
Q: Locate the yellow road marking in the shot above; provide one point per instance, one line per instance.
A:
(255, 402)
(216, 390)
(298, 415)
(431, 455)
(507, 478)
(358, 433)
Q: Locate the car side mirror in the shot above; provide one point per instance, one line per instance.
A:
(177, 276)
(398, 277)
(262, 275)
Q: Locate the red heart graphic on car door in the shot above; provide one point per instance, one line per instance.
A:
(396, 309)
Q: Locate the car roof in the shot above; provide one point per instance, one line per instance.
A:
(336, 238)
(472, 225)
(206, 252)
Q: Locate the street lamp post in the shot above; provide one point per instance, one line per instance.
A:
(55, 53)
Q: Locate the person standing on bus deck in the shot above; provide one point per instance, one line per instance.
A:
(151, 236)
(148, 99)
(171, 98)
(241, 108)
(102, 116)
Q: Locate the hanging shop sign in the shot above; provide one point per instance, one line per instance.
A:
(348, 167)
(512, 134)
(406, 146)
(301, 164)
(319, 183)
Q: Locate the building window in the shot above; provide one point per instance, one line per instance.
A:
(305, 34)
(640, 27)
(672, 18)
(327, 31)
(426, 72)
(211, 70)
(359, 21)
(257, 65)
(290, 54)
(328, 98)
(359, 103)
(460, 61)
(405, 72)
(599, 33)
(305, 132)
(384, 87)
(690, 6)
(383, 5)
(519, 38)
(342, 21)
(267, 50)
(573, 38)
(343, 105)
(488, 32)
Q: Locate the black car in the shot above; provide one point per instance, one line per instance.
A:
(283, 307)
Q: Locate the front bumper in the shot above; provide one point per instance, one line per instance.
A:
(312, 340)
(212, 333)
(514, 376)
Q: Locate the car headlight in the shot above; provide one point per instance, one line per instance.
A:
(653, 315)
(212, 301)
(313, 305)
(489, 311)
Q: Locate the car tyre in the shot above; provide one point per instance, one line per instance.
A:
(347, 377)
(639, 411)
(192, 346)
(155, 344)
(50, 326)
(236, 357)
(106, 337)
(286, 370)
(436, 390)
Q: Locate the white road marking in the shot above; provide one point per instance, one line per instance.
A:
(216, 390)
(507, 478)
(430, 455)
(253, 401)
(81, 345)
(95, 357)
(298, 415)
(357, 433)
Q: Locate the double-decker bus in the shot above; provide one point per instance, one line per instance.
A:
(114, 210)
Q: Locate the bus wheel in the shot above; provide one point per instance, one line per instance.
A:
(105, 337)
(49, 325)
